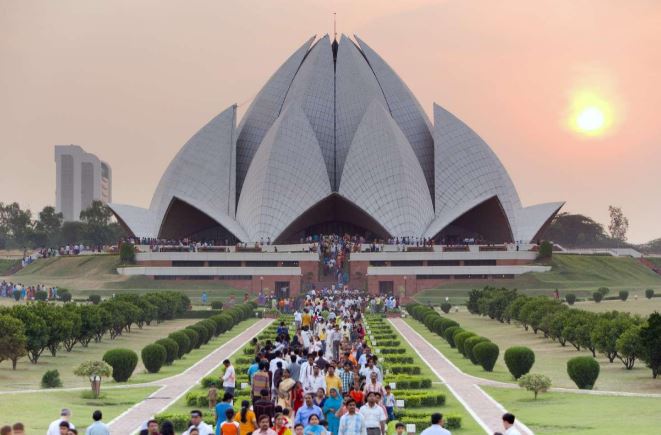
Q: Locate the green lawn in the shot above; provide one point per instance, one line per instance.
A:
(550, 357)
(578, 414)
(6, 265)
(96, 274)
(28, 375)
(579, 274)
(22, 406)
(640, 305)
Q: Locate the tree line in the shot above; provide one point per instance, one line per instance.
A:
(616, 335)
(20, 229)
(33, 328)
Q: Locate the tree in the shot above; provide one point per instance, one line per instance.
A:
(629, 346)
(650, 339)
(49, 226)
(576, 230)
(619, 224)
(16, 224)
(545, 251)
(13, 340)
(607, 330)
(535, 382)
(93, 370)
(36, 331)
(97, 219)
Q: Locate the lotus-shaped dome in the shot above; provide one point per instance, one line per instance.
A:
(336, 142)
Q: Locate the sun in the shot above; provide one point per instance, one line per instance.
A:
(590, 114)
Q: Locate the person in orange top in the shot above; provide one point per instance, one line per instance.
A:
(357, 395)
(246, 419)
(229, 426)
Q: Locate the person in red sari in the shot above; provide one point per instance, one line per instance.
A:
(296, 396)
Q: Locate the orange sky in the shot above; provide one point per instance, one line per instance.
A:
(132, 80)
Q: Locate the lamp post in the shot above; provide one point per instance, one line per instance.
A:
(404, 286)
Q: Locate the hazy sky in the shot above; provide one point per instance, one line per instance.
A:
(132, 80)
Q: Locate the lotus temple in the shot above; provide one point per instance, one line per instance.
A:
(336, 143)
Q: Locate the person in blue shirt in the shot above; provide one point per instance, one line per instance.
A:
(254, 368)
(220, 410)
(309, 408)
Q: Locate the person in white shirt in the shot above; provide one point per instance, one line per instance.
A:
(375, 418)
(273, 365)
(314, 382)
(298, 318)
(436, 427)
(229, 377)
(54, 427)
(196, 422)
(508, 424)
(306, 369)
(352, 423)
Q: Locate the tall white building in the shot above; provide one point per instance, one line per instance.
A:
(80, 179)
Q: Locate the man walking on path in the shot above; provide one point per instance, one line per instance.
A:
(375, 418)
(436, 427)
(229, 378)
(98, 427)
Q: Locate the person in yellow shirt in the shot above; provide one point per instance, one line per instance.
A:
(246, 419)
(332, 380)
(307, 318)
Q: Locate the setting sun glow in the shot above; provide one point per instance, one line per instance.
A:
(590, 115)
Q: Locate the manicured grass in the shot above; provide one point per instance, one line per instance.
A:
(95, 274)
(37, 410)
(6, 265)
(141, 375)
(641, 305)
(28, 375)
(579, 414)
(499, 373)
(550, 357)
(578, 274)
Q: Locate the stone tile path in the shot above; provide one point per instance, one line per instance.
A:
(176, 386)
(484, 409)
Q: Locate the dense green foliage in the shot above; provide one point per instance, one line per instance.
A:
(535, 382)
(171, 349)
(486, 354)
(650, 340)
(19, 229)
(519, 360)
(584, 371)
(570, 298)
(51, 379)
(122, 361)
(153, 357)
(127, 253)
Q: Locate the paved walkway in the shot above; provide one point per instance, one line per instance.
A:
(176, 386)
(484, 409)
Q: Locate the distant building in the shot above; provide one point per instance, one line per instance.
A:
(80, 179)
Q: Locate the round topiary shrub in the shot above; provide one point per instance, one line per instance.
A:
(64, 295)
(519, 360)
(51, 379)
(182, 341)
(455, 335)
(570, 298)
(122, 361)
(194, 337)
(486, 354)
(449, 334)
(171, 349)
(624, 295)
(202, 332)
(211, 327)
(94, 299)
(447, 323)
(584, 371)
(153, 357)
(226, 322)
(216, 305)
(446, 307)
(603, 290)
(41, 295)
(461, 339)
(597, 296)
(649, 293)
(469, 344)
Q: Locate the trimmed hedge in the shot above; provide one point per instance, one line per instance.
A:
(461, 338)
(468, 347)
(519, 360)
(449, 335)
(406, 369)
(122, 361)
(194, 338)
(422, 421)
(584, 371)
(414, 399)
(180, 421)
(393, 359)
(183, 341)
(171, 349)
(486, 354)
(153, 357)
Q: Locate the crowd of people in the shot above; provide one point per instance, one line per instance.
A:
(13, 290)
